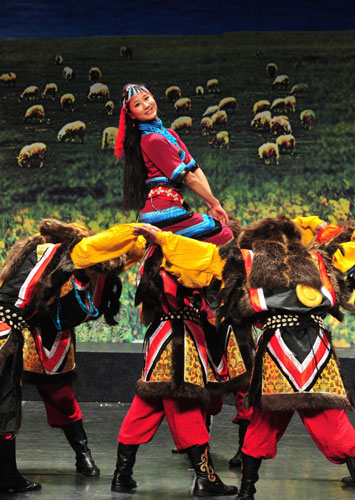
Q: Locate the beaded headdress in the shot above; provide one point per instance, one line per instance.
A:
(128, 91)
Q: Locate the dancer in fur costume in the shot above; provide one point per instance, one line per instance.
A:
(50, 283)
(274, 281)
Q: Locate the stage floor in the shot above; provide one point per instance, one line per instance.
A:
(299, 472)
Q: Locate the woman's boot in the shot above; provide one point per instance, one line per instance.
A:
(237, 460)
(75, 434)
(250, 476)
(122, 477)
(350, 462)
(207, 482)
(10, 478)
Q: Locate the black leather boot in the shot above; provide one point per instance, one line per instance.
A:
(122, 477)
(237, 460)
(10, 478)
(249, 478)
(75, 434)
(350, 462)
(207, 482)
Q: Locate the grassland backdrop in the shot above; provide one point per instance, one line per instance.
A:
(82, 181)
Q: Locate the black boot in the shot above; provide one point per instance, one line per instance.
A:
(10, 478)
(75, 434)
(250, 476)
(207, 482)
(122, 477)
(350, 462)
(237, 460)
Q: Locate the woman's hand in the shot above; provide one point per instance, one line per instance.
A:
(147, 230)
(217, 212)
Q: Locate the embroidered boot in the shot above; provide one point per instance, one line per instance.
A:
(350, 462)
(237, 460)
(122, 477)
(250, 476)
(10, 478)
(207, 483)
(75, 434)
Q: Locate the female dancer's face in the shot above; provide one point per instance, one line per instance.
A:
(142, 107)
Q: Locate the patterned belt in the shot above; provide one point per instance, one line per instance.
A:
(168, 192)
(187, 313)
(278, 320)
(10, 316)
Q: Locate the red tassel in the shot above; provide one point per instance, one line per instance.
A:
(119, 144)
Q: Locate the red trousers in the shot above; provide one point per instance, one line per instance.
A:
(185, 418)
(331, 431)
(61, 405)
(242, 412)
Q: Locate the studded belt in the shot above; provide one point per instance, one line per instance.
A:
(279, 320)
(186, 313)
(11, 316)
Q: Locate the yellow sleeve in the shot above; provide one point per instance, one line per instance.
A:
(194, 263)
(308, 226)
(116, 241)
(345, 262)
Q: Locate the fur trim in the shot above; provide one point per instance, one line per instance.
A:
(233, 385)
(8, 349)
(304, 401)
(148, 390)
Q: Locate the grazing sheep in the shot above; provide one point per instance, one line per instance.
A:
(286, 143)
(300, 90)
(278, 105)
(280, 82)
(72, 130)
(219, 118)
(260, 106)
(126, 52)
(8, 79)
(68, 73)
(307, 117)
(269, 152)
(280, 125)
(182, 124)
(109, 106)
(199, 90)
(220, 140)
(109, 137)
(58, 59)
(272, 69)
(173, 93)
(67, 102)
(213, 86)
(94, 74)
(98, 92)
(34, 114)
(183, 105)
(206, 125)
(50, 91)
(262, 121)
(290, 102)
(228, 103)
(32, 154)
(211, 110)
(30, 93)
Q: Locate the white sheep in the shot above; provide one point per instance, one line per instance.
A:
(50, 91)
(307, 118)
(94, 74)
(206, 125)
(109, 106)
(262, 121)
(182, 124)
(68, 73)
(211, 110)
(173, 93)
(228, 103)
(286, 143)
(109, 137)
(183, 105)
(34, 114)
(272, 69)
(262, 105)
(30, 93)
(281, 82)
(72, 130)
(290, 102)
(199, 90)
(278, 105)
(8, 79)
(58, 59)
(213, 86)
(220, 140)
(98, 92)
(32, 154)
(219, 118)
(300, 90)
(280, 125)
(269, 152)
(67, 102)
